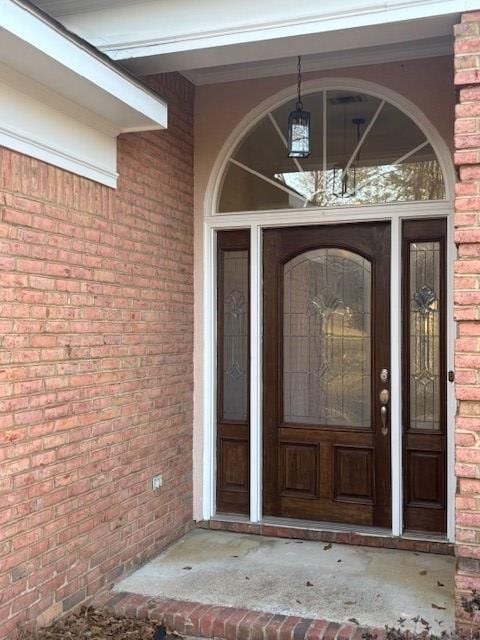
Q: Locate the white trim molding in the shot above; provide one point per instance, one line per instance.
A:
(381, 54)
(41, 150)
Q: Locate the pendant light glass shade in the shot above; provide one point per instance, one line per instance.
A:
(299, 124)
(299, 133)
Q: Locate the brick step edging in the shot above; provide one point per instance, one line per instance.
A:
(374, 540)
(230, 623)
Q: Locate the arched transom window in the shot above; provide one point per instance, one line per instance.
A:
(364, 151)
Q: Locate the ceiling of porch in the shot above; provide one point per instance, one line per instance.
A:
(214, 41)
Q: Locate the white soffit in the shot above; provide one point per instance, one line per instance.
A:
(35, 47)
(161, 35)
(61, 101)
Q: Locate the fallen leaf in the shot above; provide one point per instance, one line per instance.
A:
(187, 568)
(247, 578)
(440, 584)
(308, 584)
(338, 560)
(234, 556)
(327, 547)
(436, 606)
(298, 601)
(354, 620)
(423, 573)
(349, 602)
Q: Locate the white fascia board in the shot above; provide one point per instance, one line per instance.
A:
(162, 28)
(34, 127)
(131, 106)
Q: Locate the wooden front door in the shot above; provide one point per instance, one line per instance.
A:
(326, 373)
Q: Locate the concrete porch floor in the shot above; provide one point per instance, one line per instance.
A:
(341, 583)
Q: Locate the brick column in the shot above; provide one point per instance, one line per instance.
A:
(467, 305)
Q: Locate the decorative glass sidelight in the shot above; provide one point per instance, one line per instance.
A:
(235, 335)
(327, 339)
(425, 400)
(362, 150)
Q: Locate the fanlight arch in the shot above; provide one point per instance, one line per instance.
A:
(369, 146)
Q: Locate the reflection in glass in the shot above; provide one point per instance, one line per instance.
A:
(327, 339)
(364, 151)
(425, 336)
(235, 335)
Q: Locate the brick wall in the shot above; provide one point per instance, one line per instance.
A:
(467, 302)
(96, 333)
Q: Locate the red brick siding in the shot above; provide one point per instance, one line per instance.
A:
(96, 343)
(467, 303)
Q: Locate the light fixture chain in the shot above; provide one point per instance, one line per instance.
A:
(299, 83)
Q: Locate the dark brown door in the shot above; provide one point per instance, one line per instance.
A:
(326, 344)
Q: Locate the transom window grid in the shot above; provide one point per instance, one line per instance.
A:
(364, 151)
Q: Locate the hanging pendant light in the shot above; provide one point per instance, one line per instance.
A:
(348, 179)
(299, 124)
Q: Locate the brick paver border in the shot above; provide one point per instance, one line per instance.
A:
(230, 623)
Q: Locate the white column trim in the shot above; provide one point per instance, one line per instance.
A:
(209, 373)
(256, 431)
(451, 399)
(396, 376)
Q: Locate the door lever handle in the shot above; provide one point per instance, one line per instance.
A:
(384, 417)
(384, 398)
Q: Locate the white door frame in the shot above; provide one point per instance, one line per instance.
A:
(256, 222)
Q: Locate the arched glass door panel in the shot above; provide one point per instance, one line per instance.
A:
(364, 150)
(326, 338)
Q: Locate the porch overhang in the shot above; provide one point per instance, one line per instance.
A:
(38, 48)
(158, 37)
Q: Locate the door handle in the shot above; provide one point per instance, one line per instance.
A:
(384, 417)
(384, 397)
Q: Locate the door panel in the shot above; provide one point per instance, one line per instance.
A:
(326, 339)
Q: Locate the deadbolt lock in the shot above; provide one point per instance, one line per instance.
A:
(384, 376)
(384, 396)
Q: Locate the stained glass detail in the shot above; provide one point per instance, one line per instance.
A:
(235, 335)
(425, 336)
(327, 339)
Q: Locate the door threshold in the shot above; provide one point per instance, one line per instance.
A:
(330, 532)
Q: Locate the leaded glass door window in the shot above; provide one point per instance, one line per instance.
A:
(327, 338)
